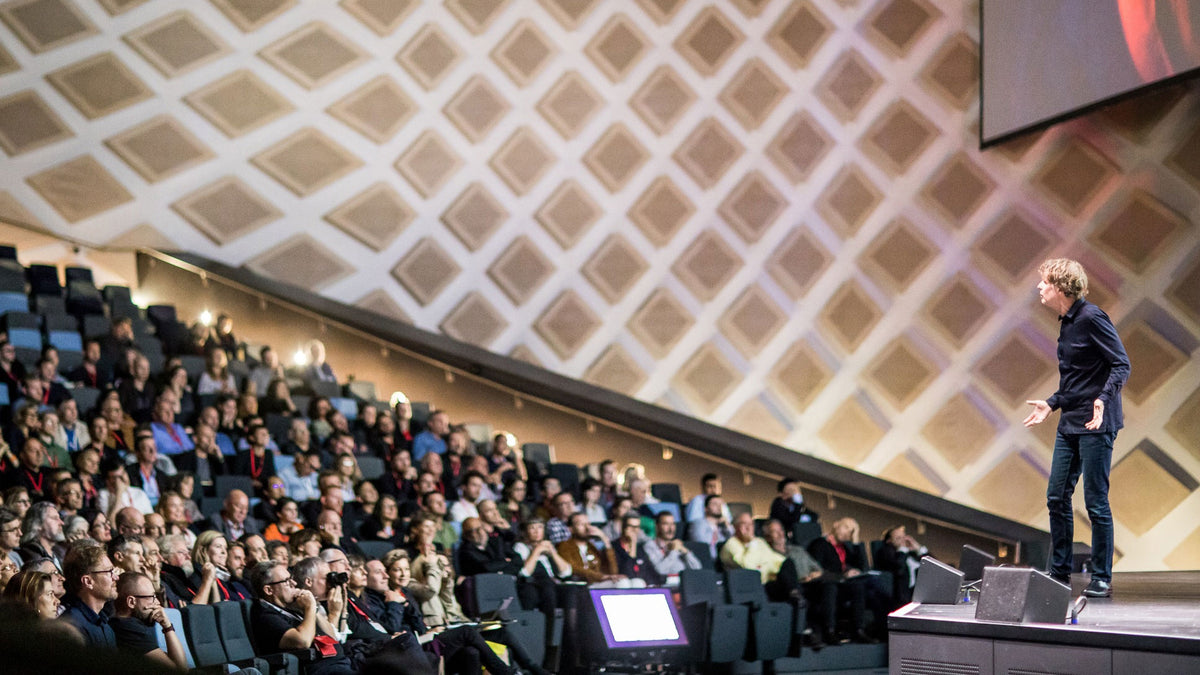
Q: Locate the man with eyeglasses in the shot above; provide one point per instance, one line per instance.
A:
(135, 612)
(285, 618)
(91, 581)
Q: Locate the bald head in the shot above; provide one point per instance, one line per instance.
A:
(130, 521)
(237, 506)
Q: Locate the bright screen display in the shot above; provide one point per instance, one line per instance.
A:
(644, 617)
(1045, 60)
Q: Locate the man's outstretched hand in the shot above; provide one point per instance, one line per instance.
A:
(1041, 410)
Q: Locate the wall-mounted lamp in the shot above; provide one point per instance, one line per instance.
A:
(518, 402)
(300, 357)
(591, 426)
(206, 317)
(667, 453)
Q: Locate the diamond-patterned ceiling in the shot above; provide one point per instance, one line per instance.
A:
(771, 214)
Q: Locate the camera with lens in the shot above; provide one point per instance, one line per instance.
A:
(335, 579)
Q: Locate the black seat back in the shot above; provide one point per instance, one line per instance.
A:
(701, 586)
(200, 624)
(233, 629)
(745, 587)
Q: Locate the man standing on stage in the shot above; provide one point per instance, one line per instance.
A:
(1092, 367)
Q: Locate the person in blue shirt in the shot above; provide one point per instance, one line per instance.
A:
(170, 436)
(1092, 367)
(91, 581)
(433, 439)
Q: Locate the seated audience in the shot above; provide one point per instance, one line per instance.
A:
(268, 370)
(91, 582)
(842, 557)
(433, 438)
(318, 369)
(789, 507)
(287, 521)
(713, 529)
(150, 472)
(135, 613)
(10, 537)
(234, 519)
(385, 524)
(593, 505)
(118, 493)
(378, 616)
(631, 558)
(665, 552)
(300, 478)
(558, 527)
(127, 553)
(42, 528)
(541, 570)
(820, 591)
(28, 472)
(136, 393)
(216, 378)
(481, 553)
(170, 436)
(256, 461)
(285, 618)
(710, 484)
(469, 494)
(900, 556)
(433, 577)
(35, 590)
(72, 433)
(587, 561)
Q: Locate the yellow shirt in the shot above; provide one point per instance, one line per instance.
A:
(755, 555)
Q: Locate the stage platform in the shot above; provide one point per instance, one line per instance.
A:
(1150, 626)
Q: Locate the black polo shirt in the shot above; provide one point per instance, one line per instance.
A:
(94, 626)
(1092, 364)
(271, 623)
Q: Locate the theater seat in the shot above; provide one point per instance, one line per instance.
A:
(235, 637)
(770, 622)
(200, 624)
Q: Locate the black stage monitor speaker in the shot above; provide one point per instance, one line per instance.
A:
(1021, 595)
(972, 561)
(937, 583)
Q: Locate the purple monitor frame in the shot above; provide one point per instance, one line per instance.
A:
(637, 618)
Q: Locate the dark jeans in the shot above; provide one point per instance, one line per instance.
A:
(1089, 455)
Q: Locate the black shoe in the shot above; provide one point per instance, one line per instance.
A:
(1098, 589)
(1065, 580)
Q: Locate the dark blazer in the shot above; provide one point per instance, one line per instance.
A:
(825, 554)
(251, 525)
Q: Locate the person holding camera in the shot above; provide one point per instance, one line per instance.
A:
(286, 617)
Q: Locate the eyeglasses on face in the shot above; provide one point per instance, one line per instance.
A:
(289, 581)
(112, 572)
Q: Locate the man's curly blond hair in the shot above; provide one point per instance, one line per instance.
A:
(1066, 275)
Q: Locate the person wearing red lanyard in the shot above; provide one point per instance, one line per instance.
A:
(211, 578)
(256, 462)
(28, 472)
(151, 471)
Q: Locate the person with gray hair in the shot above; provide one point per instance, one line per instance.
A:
(43, 528)
(285, 617)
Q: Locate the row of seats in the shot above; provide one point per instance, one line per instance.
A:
(221, 634)
(738, 620)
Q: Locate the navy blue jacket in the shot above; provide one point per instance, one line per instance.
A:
(1092, 364)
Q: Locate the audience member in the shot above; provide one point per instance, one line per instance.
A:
(216, 378)
(591, 493)
(72, 433)
(432, 439)
(433, 576)
(118, 493)
(541, 570)
(255, 462)
(558, 528)
(318, 369)
(285, 618)
(234, 519)
(466, 506)
(300, 478)
(129, 521)
(135, 612)
(42, 528)
(268, 370)
(587, 561)
(127, 553)
(287, 521)
(35, 590)
(91, 582)
(631, 558)
(136, 393)
(789, 507)
(710, 484)
(841, 556)
(665, 552)
(150, 472)
(169, 436)
(512, 505)
(10, 538)
(819, 590)
(28, 472)
(900, 556)
(713, 529)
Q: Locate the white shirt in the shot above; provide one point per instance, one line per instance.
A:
(461, 509)
(133, 496)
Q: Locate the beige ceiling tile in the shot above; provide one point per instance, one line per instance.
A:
(570, 104)
(662, 99)
(474, 216)
(616, 157)
(662, 11)
(848, 85)
(751, 8)
(13, 211)
(617, 47)
(661, 210)
(523, 353)
(177, 43)
(522, 161)
(379, 302)
(1140, 232)
(957, 189)
(707, 265)
(301, 261)
(952, 73)
(28, 123)
(1012, 247)
(46, 24)
(753, 206)
(752, 321)
(853, 431)
(476, 108)
(898, 255)
(143, 236)
(615, 369)
(708, 152)
(377, 110)
(614, 268)
(896, 25)
(239, 103)
(476, 15)
(1185, 159)
(426, 270)
(901, 371)
(1136, 507)
(660, 322)
(474, 320)
(1157, 361)
(568, 213)
(314, 55)
(1014, 368)
(1015, 488)
(1184, 425)
(79, 188)
(521, 270)
(909, 469)
(1074, 176)
(897, 137)
(848, 200)
(306, 161)
(99, 85)
(250, 15)
(800, 375)
(799, 33)
(567, 324)
(709, 40)
(958, 309)
(115, 7)
(962, 428)
(1184, 293)
(849, 316)
(570, 13)
(375, 216)
(524, 52)
(753, 93)
(226, 210)
(429, 56)
(705, 379)
(428, 163)
(381, 16)
(7, 63)
(160, 148)
(799, 146)
(798, 262)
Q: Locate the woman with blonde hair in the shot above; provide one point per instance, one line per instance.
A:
(171, 508)
(34, 590)
(211, 578)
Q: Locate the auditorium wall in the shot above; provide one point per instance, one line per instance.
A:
(769, 214)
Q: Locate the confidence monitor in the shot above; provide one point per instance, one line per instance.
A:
(638, 618)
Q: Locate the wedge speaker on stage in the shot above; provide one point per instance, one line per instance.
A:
(937, 583)
(972, 561)
(1021, 595)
